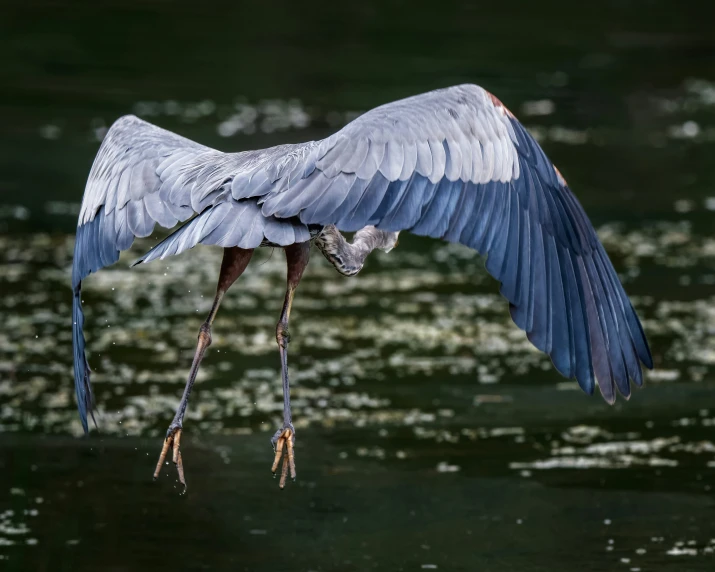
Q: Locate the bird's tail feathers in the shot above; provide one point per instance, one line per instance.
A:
(178, 241)
(231, 223)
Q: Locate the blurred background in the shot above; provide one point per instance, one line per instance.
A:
(431, 435)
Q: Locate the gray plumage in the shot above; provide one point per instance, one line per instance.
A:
(347, 258)
(231, 223)
(452, 164)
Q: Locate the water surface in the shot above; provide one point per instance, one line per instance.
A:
(431, 435)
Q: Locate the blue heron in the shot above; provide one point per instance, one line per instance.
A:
(453, 164)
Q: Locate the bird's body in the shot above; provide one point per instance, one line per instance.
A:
(452, 164)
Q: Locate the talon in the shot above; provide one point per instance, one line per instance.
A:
(277, 458)
(284, 474)
(176, 457)
(284, 440)
(173, 440)
(162, 456)
(291, 455)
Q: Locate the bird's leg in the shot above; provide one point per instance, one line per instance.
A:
(283, 441)
(234, 263)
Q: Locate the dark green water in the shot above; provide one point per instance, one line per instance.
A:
(430, 434)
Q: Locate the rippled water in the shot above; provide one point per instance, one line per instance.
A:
(431, 435)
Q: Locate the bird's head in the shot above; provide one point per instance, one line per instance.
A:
(390, 241)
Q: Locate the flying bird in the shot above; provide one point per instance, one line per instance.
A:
(453, 164)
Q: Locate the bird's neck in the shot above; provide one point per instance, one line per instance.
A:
(347, 258)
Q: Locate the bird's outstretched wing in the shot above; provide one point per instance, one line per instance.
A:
(456, 164)
(144, 175)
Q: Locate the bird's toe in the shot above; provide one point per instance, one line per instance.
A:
(173, 442)
(284, 441)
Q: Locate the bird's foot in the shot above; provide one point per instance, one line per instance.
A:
(283, 444)
(172, 441)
